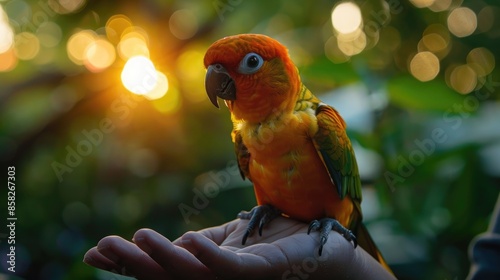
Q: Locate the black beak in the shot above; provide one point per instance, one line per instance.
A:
(219, 83)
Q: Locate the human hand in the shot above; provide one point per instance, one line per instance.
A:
(285, 251)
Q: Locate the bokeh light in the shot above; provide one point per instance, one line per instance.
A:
(437, 40)
(352, 44)
(139, 75)
(346, 18)
(77, 45)
(133, 44)
(347, 22)
(170, 103)
(486, 18)
(99, 54)
(115, 26)
(66, 6)
(422, 3)
(481, 60)
(8, 60)
(462, 22)
(26, 45)
(6, 36)
(49, 34)
(183, 24)
(160, 89)
(332, 51)
(193, 77)
(463, 79)
(440, 5)
(424, 66)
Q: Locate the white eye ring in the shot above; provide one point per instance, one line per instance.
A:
(251, 63)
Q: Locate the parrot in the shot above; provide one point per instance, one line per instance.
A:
(290, 145)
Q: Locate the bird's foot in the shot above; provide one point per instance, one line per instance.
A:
(325, 225)
(261, 214)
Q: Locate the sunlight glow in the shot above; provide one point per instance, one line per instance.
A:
(192, 75)
(139, 75)
(160, 89)
(99, 55)
(132, 44)
(78, 44)
(6, 36)
(346, 17)
(115, 26)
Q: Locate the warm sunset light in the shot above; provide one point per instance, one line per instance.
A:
(107, 126)
(115, 27)
(132, 44)
(100, 54)
(160, 89)
(78, 44)
(139, 75)
(6, 36)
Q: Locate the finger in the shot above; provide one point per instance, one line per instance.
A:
(225, 263)
(129, 259)
(217, 234)
(97, 260)
(173, 259)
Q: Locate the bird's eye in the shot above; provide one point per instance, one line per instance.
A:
(250, 64)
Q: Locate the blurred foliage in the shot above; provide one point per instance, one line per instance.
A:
(93, 159)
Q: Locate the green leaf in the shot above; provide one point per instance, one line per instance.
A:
(407, 92)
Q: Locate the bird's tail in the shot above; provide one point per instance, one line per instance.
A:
(366, 242)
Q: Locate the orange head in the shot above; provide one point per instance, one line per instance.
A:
(253, 74)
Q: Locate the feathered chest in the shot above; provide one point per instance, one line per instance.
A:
(282, 136)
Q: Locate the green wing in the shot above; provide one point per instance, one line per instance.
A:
(242, 155)
(336, 151)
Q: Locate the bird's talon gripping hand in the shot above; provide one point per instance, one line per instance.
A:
(261, 214)
(325, 225)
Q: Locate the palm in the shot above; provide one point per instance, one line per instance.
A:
(284, 250)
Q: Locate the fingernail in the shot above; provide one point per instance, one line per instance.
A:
(89, 260)
(143, 244)
(106, 251)
(188, 245)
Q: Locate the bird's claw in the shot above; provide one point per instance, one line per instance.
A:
(262, 214)
(325, 225)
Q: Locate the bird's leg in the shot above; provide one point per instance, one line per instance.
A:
(261, 214)
(325, 225)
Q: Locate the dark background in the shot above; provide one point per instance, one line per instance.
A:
(93, 159)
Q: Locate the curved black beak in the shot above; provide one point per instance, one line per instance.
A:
(218, 83)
